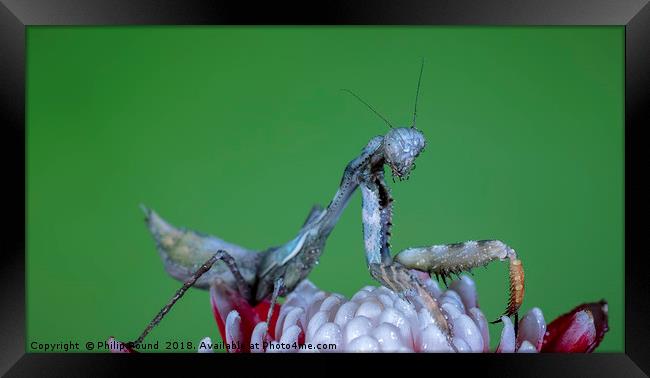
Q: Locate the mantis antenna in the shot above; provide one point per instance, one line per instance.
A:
(417, 93)
(369, 107)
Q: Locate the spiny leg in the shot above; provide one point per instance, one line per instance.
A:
(243, 288)
(516, 291)
(204, 268)
(447, 259)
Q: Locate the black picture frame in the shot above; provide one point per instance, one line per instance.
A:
(16, 15)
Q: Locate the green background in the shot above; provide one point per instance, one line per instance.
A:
(237, 131)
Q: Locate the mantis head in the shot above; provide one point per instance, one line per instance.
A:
(402, 146)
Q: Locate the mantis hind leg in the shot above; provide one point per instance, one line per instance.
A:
(219, 255)
(447, 259)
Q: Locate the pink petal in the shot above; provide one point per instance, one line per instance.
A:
(291, 336)
(453, 298)
(363, 344)
(315, 323)
(329, 333)
(481, 322)
(526, 347)
(578, 331)
(507, 343)
(465, 329)
(205, 345)
(461, 345)
(431, 339)
(345, 313)
(532, 327)
(258, 337)
(233, 332)
(388, 337)
(429, 284)
(292, 319)
(225, 299)
(466, 289)
(262, 310)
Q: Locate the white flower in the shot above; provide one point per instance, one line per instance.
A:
(375, 319)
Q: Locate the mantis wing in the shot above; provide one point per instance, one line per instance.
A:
(184, 251)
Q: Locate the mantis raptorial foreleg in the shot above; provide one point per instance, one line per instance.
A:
(439, 260)
(377, 216)
(447, 259)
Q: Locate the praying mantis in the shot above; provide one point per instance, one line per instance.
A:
(199, 260)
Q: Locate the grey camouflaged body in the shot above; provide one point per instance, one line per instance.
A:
(183, 251)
